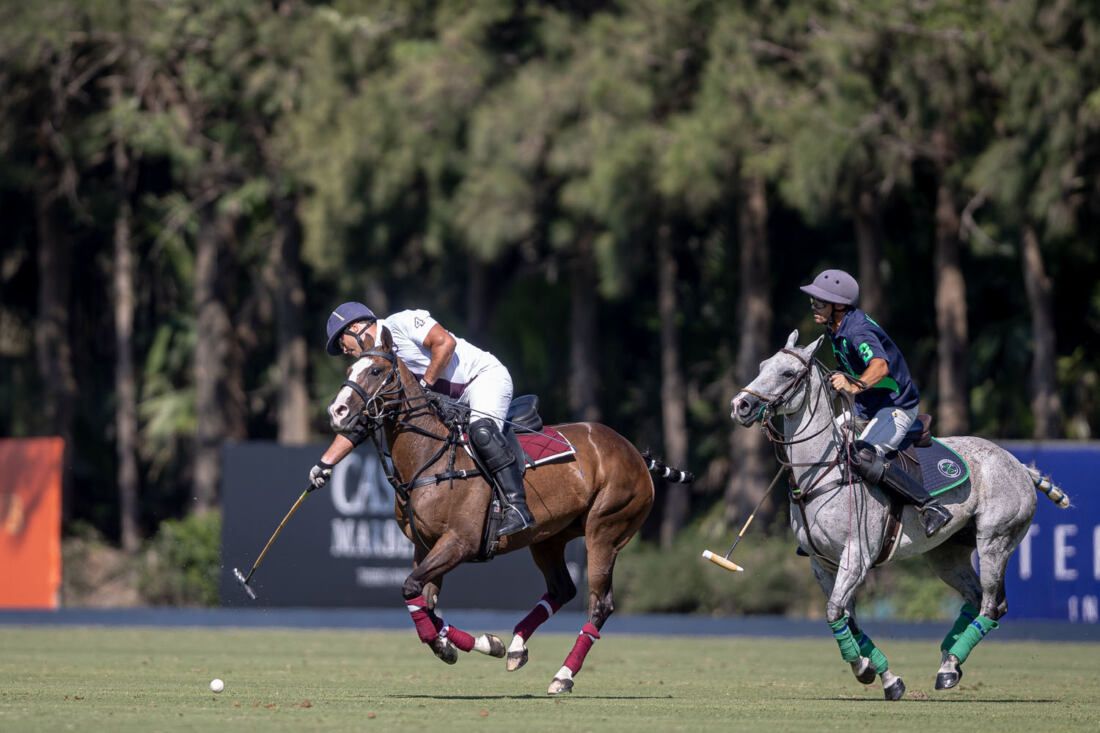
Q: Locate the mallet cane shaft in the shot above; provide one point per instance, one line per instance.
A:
(243, 579)
(724, 561)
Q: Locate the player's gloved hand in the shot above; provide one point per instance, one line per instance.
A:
(319, 475)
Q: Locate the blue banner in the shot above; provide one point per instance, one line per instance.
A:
(1055, 573)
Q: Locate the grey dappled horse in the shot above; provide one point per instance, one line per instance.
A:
(844, 525)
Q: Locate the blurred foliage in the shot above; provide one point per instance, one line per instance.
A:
(182, 562)
(651, 579)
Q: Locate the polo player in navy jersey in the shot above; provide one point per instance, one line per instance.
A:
(875, 372)
(444, 365)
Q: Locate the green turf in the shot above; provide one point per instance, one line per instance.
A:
(156, 680)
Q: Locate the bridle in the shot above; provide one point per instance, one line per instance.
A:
(772, 402)
(376, 406)
(390, 401)
(780, 441)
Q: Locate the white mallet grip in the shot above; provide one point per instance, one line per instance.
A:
(722, 562)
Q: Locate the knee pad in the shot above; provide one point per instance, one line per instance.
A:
(490, 444)
(867, 461)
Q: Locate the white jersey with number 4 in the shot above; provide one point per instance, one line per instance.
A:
(409, 329)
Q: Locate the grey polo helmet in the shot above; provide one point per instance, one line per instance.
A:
(345, 315)
(834, 286)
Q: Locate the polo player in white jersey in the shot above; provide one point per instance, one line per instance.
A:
(445, 365)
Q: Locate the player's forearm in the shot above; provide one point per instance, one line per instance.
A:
(339, 450)
(876, 371)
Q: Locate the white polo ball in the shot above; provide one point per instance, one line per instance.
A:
(216, 685)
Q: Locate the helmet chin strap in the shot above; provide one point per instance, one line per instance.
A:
(358, 336)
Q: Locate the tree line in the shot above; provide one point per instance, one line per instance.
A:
(619, 199)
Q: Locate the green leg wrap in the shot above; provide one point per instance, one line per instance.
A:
(970, 637)
(966, 615)
(849, 649)
(868, 649)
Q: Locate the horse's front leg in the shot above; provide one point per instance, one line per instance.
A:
(423, 584)
(856, 648)
(862, 668)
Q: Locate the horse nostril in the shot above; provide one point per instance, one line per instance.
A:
(744, 408)
(340, 410)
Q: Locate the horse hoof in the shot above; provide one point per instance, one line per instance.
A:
(947, 680)
(894, 691)
(866, 675)
(445, 650)
(559, 686)
(491, 645)
(517, 660)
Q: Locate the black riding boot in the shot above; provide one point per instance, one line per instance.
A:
(501, 462)
(872, 466)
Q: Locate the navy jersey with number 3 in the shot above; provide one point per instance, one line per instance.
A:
(858, 340)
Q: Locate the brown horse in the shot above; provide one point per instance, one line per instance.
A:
(603, 493)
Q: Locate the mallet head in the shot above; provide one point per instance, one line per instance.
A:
(722, 562)
(244, 583)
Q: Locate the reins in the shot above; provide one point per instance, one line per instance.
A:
(395, 405)
(802, 495)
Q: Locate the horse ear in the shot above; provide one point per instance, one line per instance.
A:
(792, 340)
(385, 338)
(812, 348)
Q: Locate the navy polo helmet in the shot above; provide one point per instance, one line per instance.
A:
(834, 286)
(345, 315)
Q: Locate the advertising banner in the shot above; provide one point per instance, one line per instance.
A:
(30, 522)
(343, 547)
(1055, 573)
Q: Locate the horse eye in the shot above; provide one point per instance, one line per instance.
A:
(375, 371)
(788, 373)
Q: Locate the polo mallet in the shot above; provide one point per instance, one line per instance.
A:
(239, 575)
(724, 562)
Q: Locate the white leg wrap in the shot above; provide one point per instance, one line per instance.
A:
(564, 674)
(888, 678)
(517, 644)
(481, 644)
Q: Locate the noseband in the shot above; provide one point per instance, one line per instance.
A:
(376, 405)
(771, 402)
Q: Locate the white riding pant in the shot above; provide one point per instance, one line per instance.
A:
(888, 428)
(489, 395)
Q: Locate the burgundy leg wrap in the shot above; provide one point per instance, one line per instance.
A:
(427, 625)
(546, 608)
(459, 638)
(585, 640)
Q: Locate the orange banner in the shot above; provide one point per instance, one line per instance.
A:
(30, 522)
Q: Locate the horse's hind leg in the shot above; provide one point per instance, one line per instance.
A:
(605, 535)
(993, 554)
(951, 562)
(600, 606)
(549, 556)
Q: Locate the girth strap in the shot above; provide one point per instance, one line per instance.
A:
(439, 478)
(891, 535)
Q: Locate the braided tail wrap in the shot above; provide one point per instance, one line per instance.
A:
(662, 470)
(1046, 485)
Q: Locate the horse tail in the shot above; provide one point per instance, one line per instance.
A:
(1046, 485)
(673, 475)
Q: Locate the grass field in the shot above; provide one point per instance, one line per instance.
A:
(91, 679)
